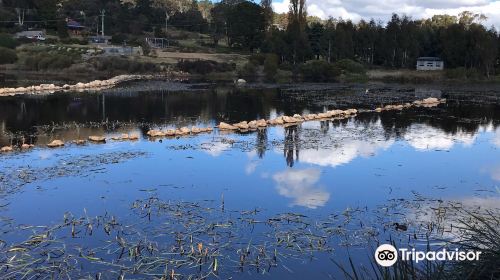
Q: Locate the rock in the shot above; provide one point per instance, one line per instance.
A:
(378, 110)
(66, 86)
(6, 149)
(155, 133)
(253, 125)
(26, 146)
(170, 132)
(80, 85)
(324, 115)
(241, 81)
(97, 139)
(55, 144)
(185, 130)
(206, 129)
(288, 119)
(297, 116)
(195, 130)
(125, 136)
(225, 126)
(350, 111)
(430, 100)
(242, 125)
(133, 137)
(310, 117)
(261, 123)
(277, 121)
(80, 142)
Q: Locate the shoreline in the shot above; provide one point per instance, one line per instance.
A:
(96, 85)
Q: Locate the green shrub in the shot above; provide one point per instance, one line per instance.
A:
(74, 41)
(119, 38)
(248, 70)
(318, 71)
(204, 66)
(464, 73)
(48, 61)
(257, 59)
(7, 56)
(8, 41)
(350, 66)
(271, 66)
(123, 64)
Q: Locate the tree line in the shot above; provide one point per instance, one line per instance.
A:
(461, 41)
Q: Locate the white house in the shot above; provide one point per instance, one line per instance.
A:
(430, 64)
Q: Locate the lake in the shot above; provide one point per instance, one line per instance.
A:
(276, 203)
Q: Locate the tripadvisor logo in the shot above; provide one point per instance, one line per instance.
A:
(386, 255)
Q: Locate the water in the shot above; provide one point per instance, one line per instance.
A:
(317, 169)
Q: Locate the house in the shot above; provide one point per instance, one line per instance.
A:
(74, 26)
(430, 64)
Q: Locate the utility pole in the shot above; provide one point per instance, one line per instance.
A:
(103, 13)
(166, 22)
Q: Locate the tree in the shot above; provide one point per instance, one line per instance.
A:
(246, 25)
(297, 20)
(267, 6)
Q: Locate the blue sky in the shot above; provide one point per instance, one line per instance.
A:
(382, 9)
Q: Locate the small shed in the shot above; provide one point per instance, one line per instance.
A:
(430, 64)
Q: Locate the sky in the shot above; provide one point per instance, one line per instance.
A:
(383, 9)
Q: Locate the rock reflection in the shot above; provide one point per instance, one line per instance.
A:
(300, 185)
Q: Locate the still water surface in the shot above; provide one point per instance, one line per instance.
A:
(315, 169)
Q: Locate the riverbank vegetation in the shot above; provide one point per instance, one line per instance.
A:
(294, 43)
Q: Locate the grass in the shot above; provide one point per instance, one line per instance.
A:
(475, 230)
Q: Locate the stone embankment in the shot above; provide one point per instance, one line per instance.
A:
(245, 126)
(94, 85)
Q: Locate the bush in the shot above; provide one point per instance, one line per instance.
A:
(257, 59)
(123, 64)
(204, 66)
(318, 71)
(7, 56)
(350, 66)
(8, 41)
(48, 61)
(74, 41)
(463, 73)
(119, 38)
(248, 70)
(271, 66)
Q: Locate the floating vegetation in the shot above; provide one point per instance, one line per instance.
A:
(199, 240)
(12, 178)
(167, 240)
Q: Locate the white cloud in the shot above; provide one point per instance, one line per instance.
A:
(215, 149)
(350, 142)
(383, 9)
(300, 185)
(496, 138)
(423, 137)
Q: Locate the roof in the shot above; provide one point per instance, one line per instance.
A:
(74, 24)
(429, 58)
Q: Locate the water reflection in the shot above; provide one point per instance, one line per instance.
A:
(301, 186)
(423, 137)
